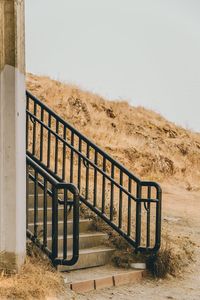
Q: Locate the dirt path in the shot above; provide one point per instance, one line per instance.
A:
(181, 210)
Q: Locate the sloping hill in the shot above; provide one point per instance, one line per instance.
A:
(144, 141)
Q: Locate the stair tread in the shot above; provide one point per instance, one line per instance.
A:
(83, 234)
(48, 208)
(96, 272)
(90, 250)
(61, 222)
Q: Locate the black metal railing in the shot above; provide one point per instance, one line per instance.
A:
(130, 206)
(48, 201)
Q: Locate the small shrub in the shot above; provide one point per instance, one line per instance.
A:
(162, 263)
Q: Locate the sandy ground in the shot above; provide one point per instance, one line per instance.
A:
(181, 210)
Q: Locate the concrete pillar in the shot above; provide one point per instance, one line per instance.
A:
(12, 136)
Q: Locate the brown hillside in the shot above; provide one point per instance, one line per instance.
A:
(146, 143)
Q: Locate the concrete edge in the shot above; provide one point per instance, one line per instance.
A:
(107, 281)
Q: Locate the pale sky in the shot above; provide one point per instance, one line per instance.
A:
(143, 51)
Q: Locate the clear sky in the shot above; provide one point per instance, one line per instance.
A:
(144, 51)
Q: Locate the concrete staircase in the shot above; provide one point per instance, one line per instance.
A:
(93, 251)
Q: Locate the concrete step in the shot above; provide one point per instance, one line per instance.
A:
(49, 214)
(88, 258)
(86, 240)
(40, 190)
(41, 200)
(96, 278)
(31, 188)
(84, 226)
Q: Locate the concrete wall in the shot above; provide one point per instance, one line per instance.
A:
(12, 136)
(12, 46)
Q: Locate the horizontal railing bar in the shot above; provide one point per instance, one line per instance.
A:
(152, 200)
(152, 184)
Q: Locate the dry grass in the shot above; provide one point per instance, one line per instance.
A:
(36, 280)
(163, 263)
(142, 140)
(176, 252)
(172, 258)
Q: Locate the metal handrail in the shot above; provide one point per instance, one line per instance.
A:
(85, 164)
(45, 179)
(83, 137)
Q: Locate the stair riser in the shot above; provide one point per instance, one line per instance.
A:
(49, 215)
(41, 201)
(84, 242)
(84, 226)
(89, 260)
(32, 186)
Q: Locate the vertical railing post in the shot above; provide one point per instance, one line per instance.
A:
(158, 218)
(54, 223)
(103, 187)
(148, 209)
(95, 179)
(112, 193)
(36, 206)
(138, 216)
(45, 214)
(129, 208)
(76, 226)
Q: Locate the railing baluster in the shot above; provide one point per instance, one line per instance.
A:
(120, 200)
(56, 149)
(45, 213)
(64, 153)
(65, 225)
(129, 208)
(138, 217)
(158, 218)
(87, 172)
(41, 134)
(54, 223)
(34, 130)
(36, 206)
(103, 186)
(148, 217)
(72, 159)
(49, 143)
(79, 163)
(95, 179)
(112, 193)
(76, 226)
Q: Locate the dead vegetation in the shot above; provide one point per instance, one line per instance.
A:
(146, 143)
(172, 258)
(36, 280)
(176, 252)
